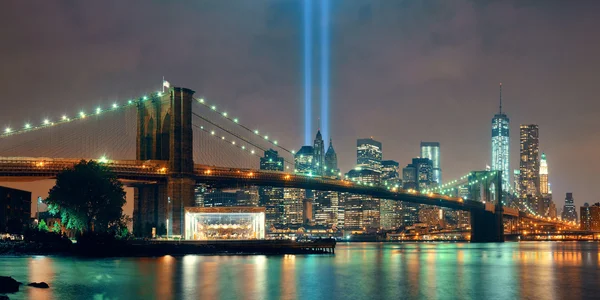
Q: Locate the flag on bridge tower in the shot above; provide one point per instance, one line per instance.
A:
(166, 84)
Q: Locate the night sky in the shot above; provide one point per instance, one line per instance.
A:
(401, 71)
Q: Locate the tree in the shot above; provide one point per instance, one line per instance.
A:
(87, 197)
(56, 228)
(42, 226)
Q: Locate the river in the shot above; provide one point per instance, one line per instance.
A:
(526, 270)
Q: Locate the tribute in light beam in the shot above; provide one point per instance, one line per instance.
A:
(325, 69)
(307, 71)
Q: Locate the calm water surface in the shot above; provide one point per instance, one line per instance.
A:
(533, 270)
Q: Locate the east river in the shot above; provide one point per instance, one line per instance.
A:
(527, 270)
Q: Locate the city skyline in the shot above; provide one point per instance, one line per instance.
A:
(451, 91)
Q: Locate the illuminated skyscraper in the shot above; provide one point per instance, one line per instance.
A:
(501, 145)
(529, 163)
(331, 161)
(569, 213)
(431, 150)
(369, 154)
(544, 175)
(304, 160)
(319, 154)
(271, 197)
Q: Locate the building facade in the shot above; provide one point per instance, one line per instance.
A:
(501, 145)
(569, 213)
(271, 198)
(304, 161)
(331, 165)
(431, 150)
(369, 153)
(319, 154)
(529, 162)
(590, 217)
(15, 209)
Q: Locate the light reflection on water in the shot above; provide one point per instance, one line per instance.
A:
(526, 270)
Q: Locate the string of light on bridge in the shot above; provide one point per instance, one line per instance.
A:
(249, 150)
(81, 115)
(234, 120)
(453, 184)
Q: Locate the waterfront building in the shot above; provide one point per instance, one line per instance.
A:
(590, 217)
(15, 209)
(569, 213)
(431, 150)
(224, 223)
(293, 201)
(369, 154)
(501, 145)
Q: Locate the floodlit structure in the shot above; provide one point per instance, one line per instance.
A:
(501, 145)
(224, 223)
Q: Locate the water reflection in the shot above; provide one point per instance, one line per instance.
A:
(357, 271)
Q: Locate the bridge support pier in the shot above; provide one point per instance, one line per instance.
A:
(165, 134)
(486, 227)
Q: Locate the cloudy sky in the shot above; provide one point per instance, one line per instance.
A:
(401, 71)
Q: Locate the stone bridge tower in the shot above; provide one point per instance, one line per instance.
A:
(164, 133)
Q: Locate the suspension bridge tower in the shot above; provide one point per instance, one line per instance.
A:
(164, 133)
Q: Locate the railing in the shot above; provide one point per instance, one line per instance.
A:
(50, 167)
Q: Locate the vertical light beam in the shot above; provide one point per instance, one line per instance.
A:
(325, 69)
(307, 71)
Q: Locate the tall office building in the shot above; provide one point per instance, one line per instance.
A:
(529, 163)
(544, 188)
(409, 177)
(431, 150)
(271, 198)
(304, 161)
(390, 173)
(369, 153)
(501, 145)
(271, 161)
(590, 217)
(569, 213)
(331, 166)
(319, 154)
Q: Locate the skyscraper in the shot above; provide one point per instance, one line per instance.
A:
(501, 145)
(390, 173)
(431, 150)
(529, 163)
(304, 161)
(331, 166)
(544, 190)
(319, 154)
(271, 197)
(569, 213)
(590, 217)
(369, 154)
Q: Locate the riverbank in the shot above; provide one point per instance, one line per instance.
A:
(139, 248)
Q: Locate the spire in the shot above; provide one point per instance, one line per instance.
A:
(500, 97)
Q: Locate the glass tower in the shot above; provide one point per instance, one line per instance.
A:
(431, 150)
(501, 145)
(529, 163)
(369, 154)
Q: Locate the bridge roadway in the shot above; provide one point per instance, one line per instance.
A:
(32, 169)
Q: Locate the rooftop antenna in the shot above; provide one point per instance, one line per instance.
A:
(500, 97)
